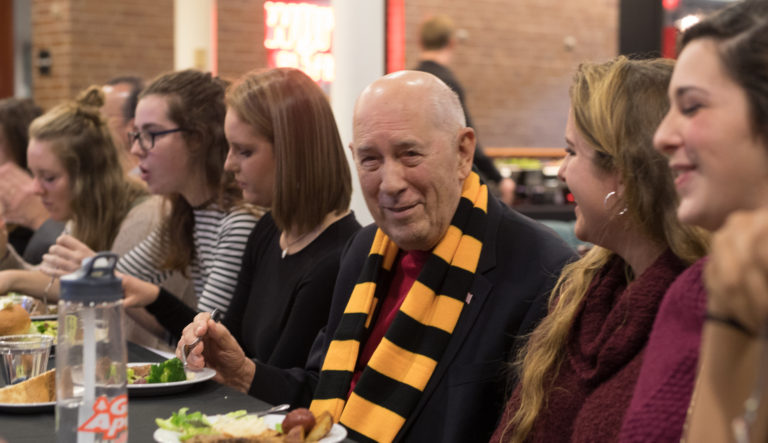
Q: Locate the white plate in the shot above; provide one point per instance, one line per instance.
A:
(337, 433)
(27, 408)
(146, 389)
(44, 317)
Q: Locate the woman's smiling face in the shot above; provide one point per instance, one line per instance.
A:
(720, 164)
(589, 186)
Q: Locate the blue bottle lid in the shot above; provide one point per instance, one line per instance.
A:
(94, 282)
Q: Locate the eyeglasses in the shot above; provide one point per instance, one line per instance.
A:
(146, 139)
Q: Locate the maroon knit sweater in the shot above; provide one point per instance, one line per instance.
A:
(663, 391)
(603, 356)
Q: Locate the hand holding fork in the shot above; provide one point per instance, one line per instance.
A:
(187, 348)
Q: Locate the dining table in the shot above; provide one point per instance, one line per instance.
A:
(209, 397)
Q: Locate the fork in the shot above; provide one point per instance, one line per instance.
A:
(215, 315)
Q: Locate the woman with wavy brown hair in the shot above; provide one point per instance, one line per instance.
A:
(286, 154)
(78, 175)
(580, 365)
(180, 143)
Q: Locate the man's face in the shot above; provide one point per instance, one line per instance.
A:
(114, 101)
(411, 171)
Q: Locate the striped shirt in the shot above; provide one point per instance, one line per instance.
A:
(219, 239)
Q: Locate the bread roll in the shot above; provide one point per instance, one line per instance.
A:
(14, 320)
(38, 389)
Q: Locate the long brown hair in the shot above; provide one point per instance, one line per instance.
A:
(619, 124)
(196, 104)
(101, 193)
(312, 176)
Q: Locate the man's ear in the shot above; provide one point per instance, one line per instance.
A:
(467, 144)
(352, 150)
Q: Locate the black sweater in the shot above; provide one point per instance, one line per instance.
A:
(279, 304)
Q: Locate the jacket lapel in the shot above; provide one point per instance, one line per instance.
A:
(481, 287)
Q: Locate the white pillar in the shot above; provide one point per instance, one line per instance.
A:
(22, 49)
(192, 34)
(358, 49)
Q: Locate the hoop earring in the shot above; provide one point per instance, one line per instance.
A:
(608, 197)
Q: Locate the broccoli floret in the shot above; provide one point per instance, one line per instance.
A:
(174, 371)
(167, 371)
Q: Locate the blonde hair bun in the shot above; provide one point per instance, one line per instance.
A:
(92, 97)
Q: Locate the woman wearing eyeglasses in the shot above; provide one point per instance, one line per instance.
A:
(286, 154)
(180, 143)
(78, 176)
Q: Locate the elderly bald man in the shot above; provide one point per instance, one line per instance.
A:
(429, 301)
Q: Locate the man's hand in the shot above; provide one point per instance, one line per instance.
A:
(138, 293)
(737, 273)
(22, 207)
(218, 350)
(65, 256)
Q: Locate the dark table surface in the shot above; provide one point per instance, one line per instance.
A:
(209, 397)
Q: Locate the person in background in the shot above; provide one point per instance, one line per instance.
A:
(15, 117)
(286, 154)
(716, 137)
(78, 177)
(30, 230)
(428, 301)
(180, 143)
(437, 40)
(581, 363)
(121, 96)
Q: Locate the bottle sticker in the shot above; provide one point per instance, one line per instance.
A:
(70, 328)
(109, 418)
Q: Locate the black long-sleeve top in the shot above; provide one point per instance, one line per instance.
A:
(279, 304)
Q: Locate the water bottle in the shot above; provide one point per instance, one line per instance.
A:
(91, 396)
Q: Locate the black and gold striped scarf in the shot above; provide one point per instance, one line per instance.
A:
(391, 384)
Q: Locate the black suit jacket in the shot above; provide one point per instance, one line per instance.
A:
(463, 400)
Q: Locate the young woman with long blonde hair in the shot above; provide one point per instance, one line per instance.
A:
(580, 365)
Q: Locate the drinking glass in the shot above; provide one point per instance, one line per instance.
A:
(24, 356)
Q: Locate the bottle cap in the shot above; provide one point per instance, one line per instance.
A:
(94, 282)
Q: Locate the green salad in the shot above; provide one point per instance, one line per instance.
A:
(189, 425)
(45, 327)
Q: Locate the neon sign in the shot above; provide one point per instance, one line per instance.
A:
(299, 35)
(670, 5)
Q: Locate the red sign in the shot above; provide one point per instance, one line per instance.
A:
(299, 35)
(670, 5)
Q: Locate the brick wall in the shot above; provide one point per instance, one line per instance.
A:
(241, 37)
(92, 41)
(514, 65)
